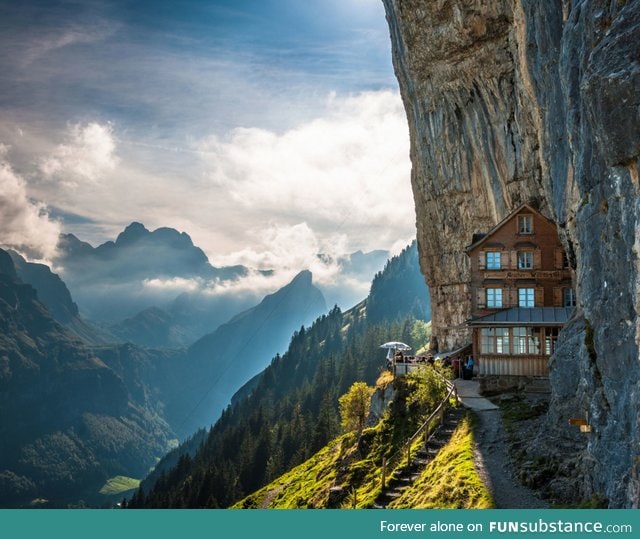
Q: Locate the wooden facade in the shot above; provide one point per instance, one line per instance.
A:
(514, 365)
(522, 293)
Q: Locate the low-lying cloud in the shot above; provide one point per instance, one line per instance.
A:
(173, 285)
(24, 223)
(291, 249)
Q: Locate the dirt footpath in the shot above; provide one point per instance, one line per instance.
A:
(494, 465)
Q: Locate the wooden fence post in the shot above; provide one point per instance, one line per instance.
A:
(384, 472)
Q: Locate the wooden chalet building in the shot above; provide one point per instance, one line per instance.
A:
(522, 295)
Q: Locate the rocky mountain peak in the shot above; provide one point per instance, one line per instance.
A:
(304, 278)
(6, 265)
(131, 234)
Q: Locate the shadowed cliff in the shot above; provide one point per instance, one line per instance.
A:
(526, 101)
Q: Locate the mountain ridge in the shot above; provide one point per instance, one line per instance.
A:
(77, 423)
(289, 410)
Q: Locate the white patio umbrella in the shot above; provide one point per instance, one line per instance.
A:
(394, 345)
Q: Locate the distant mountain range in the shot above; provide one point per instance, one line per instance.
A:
(194, 385)
(286, 413)
(144, 269)
(139, 253)
(79, 414)
(157, 289)
(55, 296)
(83, 401)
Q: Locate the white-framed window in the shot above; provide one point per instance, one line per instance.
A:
(493, 260)
(488, 340)
(494, 298)
(526, 341)
(502, 340)
(494, 341)
(520, 340)
(525, 260)
(568, 297)
(535, 342)
(525, 224)
(526, 297)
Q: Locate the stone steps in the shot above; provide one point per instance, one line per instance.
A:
(420, 459)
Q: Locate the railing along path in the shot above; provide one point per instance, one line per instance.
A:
(424, 429)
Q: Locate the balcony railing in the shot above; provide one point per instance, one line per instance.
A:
(402, 369)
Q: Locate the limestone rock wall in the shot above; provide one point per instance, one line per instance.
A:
(512, 101)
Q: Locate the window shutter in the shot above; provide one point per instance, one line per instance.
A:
(557, 296)
(481, 299)
(482, 260)
(537, 259)
(539, 297)
(511, 260)
(513, 297)
(559, 258)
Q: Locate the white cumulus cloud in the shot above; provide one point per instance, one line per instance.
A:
(263, 198)
(87, 155)
(24, 223)
(347, 170)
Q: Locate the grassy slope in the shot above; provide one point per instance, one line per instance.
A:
(339, 464)
(118, 485)
(450, 481)
(307, 485)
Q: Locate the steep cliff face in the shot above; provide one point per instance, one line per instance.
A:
(527, 101)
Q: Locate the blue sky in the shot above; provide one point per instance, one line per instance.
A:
(243, 123)
(188, 67)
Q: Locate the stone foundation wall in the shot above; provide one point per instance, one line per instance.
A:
(494, 385)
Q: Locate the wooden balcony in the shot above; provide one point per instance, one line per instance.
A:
(513, 365)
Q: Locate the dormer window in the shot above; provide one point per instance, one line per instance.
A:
(525, 224)
(525, 260)
(493, 260)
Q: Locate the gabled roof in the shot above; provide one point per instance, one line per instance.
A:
(477, 240)
(517, 316)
